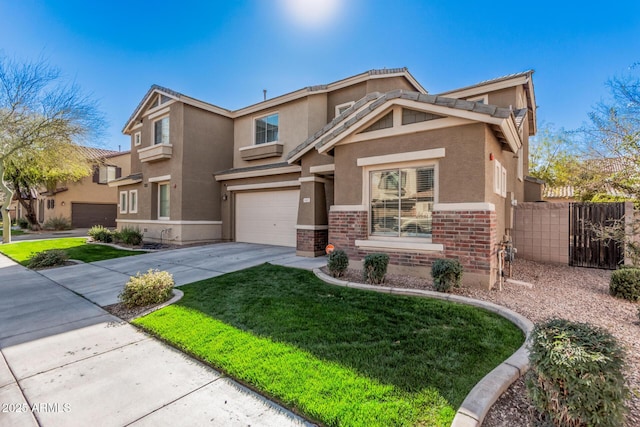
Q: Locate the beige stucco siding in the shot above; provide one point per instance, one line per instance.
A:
(209, 139)
(388, 84)
(461, 173)
(344, 95)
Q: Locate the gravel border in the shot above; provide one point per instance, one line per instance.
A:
(573, 293)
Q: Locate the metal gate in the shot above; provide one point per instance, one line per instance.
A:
(585, 248)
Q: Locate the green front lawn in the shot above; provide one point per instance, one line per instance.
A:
(76, 247)
(339, 356)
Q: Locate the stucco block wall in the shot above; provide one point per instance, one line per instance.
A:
(542, 232)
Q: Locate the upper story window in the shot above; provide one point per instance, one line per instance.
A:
(401, 201)
(266, 129)
(161, 131)
(137, 138)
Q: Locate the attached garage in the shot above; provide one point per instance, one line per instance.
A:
(267, 217)
(85, 215)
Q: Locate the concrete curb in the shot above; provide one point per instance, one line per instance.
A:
(177, 296)
(480, 399)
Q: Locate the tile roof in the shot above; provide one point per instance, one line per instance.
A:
(93, 153)
(376, 99)
(527, 73)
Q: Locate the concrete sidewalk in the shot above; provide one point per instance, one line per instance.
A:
(65, 361)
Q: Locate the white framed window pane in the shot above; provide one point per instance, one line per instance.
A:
(123, 202)
(266, 129)
(161, 131)
(133, 201)
(384, 215)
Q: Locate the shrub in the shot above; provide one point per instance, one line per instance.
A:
(100, 234)
(50, 258)
(446, 274)
(58, 223)
(338, 262)
(625, 283)
(375, 268)
(153, 287)
(576, 374)
(22, 223)
(129, 236)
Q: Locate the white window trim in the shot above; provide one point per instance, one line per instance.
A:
(256, 118)
(160, 184)
(133, 194)
(341, 106)
(521, 164)
(153, 131)
(123, 198)
(137, 139)
(417, 243)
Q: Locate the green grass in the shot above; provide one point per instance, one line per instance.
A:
(76, 247)
(340, 356)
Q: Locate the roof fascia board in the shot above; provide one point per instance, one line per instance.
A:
(421, 106)
(340, 84)
(510, 131)
(489, 87)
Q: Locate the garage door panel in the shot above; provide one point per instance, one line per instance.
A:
(85, 215)
(267, 217)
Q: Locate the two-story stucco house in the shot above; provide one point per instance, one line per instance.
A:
(371, 163)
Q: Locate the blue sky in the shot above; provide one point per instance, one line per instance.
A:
(227, 52)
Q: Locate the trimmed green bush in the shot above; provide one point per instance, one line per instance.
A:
(338, 263)
(625, 283)
(100, 234)
(375, 268)
(129, 235)
(153, 287)
(576, 376)
(446, 274)
(58, 223)
(50, 258)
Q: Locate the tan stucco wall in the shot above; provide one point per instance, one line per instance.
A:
(344, 95)
(208, 139)
(86, 191)
(461, 176)
(388, 84)
(169, 232)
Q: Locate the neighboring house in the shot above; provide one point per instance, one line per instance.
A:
(371, 163)
(89, 201)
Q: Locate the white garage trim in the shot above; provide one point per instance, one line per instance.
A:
(267, 217)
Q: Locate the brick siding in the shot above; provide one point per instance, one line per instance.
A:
(311, 240)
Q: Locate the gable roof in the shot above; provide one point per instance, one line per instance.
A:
(502, 120)
(272, 102)
(93, 153)
(159, 90)
(510, 80)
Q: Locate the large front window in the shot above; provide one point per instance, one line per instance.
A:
(401, 201)
(267, 129)
(161, 131)
(163, 201)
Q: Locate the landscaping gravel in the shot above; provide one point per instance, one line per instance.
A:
(577, 294)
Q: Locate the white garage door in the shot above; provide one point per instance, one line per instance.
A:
(267, 217)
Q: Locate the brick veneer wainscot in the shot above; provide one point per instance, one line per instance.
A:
(311, 240)
(468, 236)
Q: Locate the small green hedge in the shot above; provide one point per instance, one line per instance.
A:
(338, 263)
(153, 287)
(446, 274)
(576, 376)
(50, 258)
(625, 283)
(375, 268)
(100, 234)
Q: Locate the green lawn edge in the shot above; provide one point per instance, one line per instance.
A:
(321, 389)
(76, 247)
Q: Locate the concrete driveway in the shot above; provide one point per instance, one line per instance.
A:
(65, 361)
